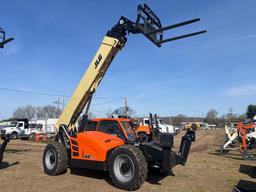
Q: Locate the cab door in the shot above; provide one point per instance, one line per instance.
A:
(111, 127)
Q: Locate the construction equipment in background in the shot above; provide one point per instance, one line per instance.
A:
(245, 134)
(5, 137)
(113, 146)
(3, 39)
(192, 126)
(3, 147)
(145, 127)
(248, 139)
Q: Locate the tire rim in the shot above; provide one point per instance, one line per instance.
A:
(14, 135)
(50, 159)
(124, 168)
(32, 137)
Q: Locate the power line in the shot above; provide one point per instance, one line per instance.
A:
(49, 94)
(32, 92)
(112, 101)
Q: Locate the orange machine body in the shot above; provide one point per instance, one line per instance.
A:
(242, 129)
(143, 129)
(95, 145)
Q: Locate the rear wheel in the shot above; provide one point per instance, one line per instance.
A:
(128, 167)
(55, 159)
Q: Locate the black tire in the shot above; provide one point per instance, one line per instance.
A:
(55, 159)
(143, 137)
(32, 136)
(133, 162)
(14, 135)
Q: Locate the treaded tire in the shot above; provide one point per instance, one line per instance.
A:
(140, 167)
(59, 162)
(14, 135)
(32, 137)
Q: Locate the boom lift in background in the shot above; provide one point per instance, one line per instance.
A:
(245, 133)
(248, 137)
(112, 146)
(3, 39)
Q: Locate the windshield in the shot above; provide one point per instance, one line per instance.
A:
(91, 126)
(13, 124)
(129, 130)
(32, 125)
(161, 121)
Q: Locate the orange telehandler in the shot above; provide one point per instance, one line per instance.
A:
(109, 143)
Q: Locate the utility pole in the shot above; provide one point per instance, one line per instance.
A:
(125, 106)
(63, 104)
(58, 103)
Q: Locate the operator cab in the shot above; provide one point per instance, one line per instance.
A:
(119, 127)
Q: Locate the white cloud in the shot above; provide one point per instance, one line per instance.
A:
(244, 90)
(246, 37)
(140, 96)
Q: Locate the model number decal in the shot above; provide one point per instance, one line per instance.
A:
(97, 61)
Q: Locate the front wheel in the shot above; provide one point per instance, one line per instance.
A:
(55, 159)
(32, 136)
(14, 135)
(128, 167)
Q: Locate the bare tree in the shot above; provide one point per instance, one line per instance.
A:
(40, 113)
(30, 112)
(50, 112)
(27, 111)
(211, 116)
(178, 119)
(123, 111)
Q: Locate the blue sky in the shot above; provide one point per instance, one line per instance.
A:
(56, 40)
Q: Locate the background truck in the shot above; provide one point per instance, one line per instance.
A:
(30, 132)
(14, 129)
(144, 129)
(42, 126)
(163, 127)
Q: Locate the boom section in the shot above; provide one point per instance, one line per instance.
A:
(90, 81)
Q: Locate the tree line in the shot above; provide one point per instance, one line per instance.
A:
(36, 112)
(213, 117)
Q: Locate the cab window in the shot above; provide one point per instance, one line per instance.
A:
(91, 126)
(20, 125)
(111, 127)
(129, 130)
(39, 127)
(147, 122)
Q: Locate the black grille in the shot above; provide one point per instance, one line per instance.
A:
(3, 132)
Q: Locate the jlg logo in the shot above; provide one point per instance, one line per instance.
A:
(97, 62)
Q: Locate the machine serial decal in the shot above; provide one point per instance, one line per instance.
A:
(97, 62)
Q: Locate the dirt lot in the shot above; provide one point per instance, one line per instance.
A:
(204, 171)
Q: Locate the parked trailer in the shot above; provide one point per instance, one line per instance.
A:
(47, 126)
